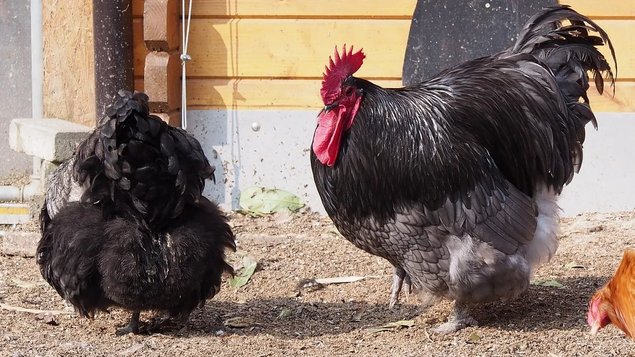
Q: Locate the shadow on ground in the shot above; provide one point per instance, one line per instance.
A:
(542, 308)
(289, 318)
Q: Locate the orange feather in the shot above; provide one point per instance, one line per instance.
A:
(617, 297)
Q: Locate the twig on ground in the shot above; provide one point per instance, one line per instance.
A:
(34, 311)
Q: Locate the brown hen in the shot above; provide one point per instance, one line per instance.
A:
(613, 303)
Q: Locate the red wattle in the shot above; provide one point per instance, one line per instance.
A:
(331, 127)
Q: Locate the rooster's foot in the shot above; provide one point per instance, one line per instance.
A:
(398, 279)
(458, 320)
(133, 325)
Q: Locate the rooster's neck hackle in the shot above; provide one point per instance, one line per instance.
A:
(339, 68)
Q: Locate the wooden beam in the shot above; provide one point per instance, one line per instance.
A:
(69, 63)
(140, 51)
(161, 25)
(161, 70)
(162, 81)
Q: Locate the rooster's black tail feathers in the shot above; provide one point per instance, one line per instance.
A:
(566, 42)
(570, 50)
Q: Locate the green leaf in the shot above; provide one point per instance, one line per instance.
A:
(473, 338)
(244, 274)
(285, 313)
(260, 200)
(548, 282)
(392, 326)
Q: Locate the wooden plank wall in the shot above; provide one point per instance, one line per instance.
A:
(270, 55)
(69, 70)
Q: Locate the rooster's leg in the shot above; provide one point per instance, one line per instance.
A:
(133, 325)
(397, 282)
(459, 319)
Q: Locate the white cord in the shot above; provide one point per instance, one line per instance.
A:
(184, 58)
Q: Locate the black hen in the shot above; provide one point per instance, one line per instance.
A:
(125, 223)
(455, 180)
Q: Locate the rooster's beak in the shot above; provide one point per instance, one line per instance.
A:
(595, 328)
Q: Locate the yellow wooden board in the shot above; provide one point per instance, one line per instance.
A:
(621, 34)
(297, 8)
(257, 48)
(304, 93)
(271, 54)
(603, 9)
(361, 8)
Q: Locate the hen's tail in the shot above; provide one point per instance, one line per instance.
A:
(136, 158)
(567, 42)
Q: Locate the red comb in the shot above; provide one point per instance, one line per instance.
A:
(337, 70)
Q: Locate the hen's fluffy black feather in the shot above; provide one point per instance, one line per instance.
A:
(125, 223)
(136, 158)
(95, 262)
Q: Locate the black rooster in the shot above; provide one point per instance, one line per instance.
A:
(125, 223)
(455, 180)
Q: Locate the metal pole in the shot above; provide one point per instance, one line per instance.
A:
(112, 26)
(37, 70)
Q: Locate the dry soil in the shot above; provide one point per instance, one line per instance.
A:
(277, 314)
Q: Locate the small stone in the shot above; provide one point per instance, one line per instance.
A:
(47, 318)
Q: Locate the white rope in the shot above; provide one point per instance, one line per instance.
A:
(184, 58)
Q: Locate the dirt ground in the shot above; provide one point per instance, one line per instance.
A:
(272, 316)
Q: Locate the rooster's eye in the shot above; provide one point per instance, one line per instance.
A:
(349, 91)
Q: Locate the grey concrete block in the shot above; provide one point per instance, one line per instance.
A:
(49, 139)
(23, 244)
(47, 169)
(605, 182)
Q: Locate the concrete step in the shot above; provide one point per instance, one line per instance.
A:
(49, 139)
(14, 213)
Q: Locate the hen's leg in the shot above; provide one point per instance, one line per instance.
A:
(133, 325)
(398, 279)
(459, 319)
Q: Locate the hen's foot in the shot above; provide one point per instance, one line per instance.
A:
(133, 325)
(458, 320)
(398, 279)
